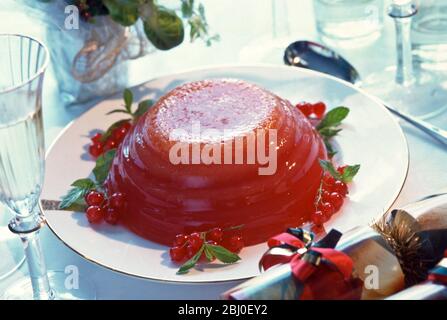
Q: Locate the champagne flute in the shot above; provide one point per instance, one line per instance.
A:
(23, 61)
(11, 251)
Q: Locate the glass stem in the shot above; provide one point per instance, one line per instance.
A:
(402, 14)
(28, 229)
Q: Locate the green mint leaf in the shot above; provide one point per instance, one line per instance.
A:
(164, 28)
(109, 131)
(329, 148)
(329, 167)
(349, 173)
(79, 205)
(222, 254)
(84, 183)
(128, 100)
(75, 196)
(143, 106)
(191, 262)
(328, 132)
(208, 253)
(117, 111)
(333, 118)
(103, 164)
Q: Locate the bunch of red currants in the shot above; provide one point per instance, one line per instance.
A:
(99, 145)
(99, 207)
(331, 198)
(186, 246)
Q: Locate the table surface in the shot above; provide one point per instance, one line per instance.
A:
(251, 23)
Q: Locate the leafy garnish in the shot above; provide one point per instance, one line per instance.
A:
(211, 251)
(103, 164)
(128, 99)
(329, 167)
(208, 254)
(143, 106)
(75, 196)
(328, 127)
(191, 262)
(349, 172)
(222, 254)
(333, 118)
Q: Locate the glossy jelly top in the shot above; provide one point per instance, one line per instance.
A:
(165, 197)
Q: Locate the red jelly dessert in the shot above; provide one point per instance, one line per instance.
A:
(179, 177)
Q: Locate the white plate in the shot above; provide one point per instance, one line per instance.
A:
(370, 137)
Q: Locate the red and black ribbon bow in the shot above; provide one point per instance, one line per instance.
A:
(319, 271)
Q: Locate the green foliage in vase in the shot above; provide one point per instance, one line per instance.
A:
(164, 28)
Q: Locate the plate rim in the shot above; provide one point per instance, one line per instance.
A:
(377, 101)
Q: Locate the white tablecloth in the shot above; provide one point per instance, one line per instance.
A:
(239, 23)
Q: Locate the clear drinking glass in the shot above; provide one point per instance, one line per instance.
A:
(23, 62)
(429, 35)
(11, 251)
(349, 23)
(417, 92)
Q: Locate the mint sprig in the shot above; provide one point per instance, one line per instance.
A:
(191, 262)
(103, 164)
(349, 172)
(328, 127)
(75, 196)
(222, 254)
(211, 251)
(333, 119)
(143, 106)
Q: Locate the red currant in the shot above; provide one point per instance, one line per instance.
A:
(177, 254)
(120, 133)
(112, 216)
(110, 144)
(191, 251)
(328, 181)
(336, 200)
(126, 125)
(273, 243)
(94, 198)
(318, 218)
(234, 244)
(319, 109)
(195, 240)
(95, 214)
(117, 200)
(325, 196)
(180, 239)
(215, 234)
(96, 149)
(341, 188)
(96, 137)
(326, 209)
(306, 108)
